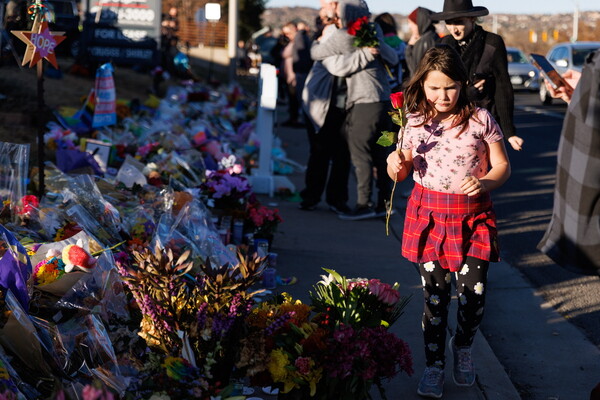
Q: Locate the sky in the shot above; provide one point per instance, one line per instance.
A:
(495, 6)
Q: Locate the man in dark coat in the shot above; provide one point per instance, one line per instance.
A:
(484, 55)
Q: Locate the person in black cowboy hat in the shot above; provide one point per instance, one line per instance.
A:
(484, 55)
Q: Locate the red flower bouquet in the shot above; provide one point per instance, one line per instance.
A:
(364, 32)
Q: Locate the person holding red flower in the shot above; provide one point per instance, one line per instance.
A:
(357, 52)
(457, 152)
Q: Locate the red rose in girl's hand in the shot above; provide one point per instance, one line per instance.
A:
(397, 100)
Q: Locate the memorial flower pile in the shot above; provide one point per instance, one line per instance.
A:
(126, 285)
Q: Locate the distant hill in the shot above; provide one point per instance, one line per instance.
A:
(514, 28)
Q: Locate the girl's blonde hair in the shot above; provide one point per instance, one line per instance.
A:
(446, 60)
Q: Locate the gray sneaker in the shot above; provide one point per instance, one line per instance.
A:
(359, 213)
(432, 383)
(463, 372)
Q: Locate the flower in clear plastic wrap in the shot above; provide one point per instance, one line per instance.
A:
(225, 191)
(264, 220)
(29, 204)
(47, 271)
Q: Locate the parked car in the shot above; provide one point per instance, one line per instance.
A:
(565, 56)
(523, 75)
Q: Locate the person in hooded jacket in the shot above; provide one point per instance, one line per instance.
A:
(423, 36)
(399, 71)
(367, 105)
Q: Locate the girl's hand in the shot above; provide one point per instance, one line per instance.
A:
(516, 142)
(395, 160)
(472, 186)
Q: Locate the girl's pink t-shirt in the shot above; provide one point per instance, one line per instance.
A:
(442, 157)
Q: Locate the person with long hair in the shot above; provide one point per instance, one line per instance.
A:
(458, 156)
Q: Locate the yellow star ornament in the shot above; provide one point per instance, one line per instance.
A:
(41, 43)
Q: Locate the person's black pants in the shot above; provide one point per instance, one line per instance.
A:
(293, 103)
(366, 122)
(471, 288)
(328, 162)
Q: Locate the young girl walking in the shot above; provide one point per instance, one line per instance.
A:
(458, 156)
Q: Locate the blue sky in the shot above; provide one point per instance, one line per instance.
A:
(495, 6)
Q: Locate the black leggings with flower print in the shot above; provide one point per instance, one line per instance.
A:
(471, 284)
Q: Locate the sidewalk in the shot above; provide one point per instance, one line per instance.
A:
(311, 240)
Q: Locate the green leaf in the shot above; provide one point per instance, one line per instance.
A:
(397, 119)
(387, 138)
(336, 276)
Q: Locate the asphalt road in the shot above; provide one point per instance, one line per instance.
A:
(524, 206)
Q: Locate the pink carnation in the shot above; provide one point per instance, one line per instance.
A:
(384, 292)
(303, 365)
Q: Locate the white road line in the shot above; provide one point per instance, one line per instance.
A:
(541, 111)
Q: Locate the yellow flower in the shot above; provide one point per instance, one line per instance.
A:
(277, 365)
(315, 378)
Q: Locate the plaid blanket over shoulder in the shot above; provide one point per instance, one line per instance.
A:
(572, 239)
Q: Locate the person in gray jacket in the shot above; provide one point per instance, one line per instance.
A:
(323, 103)
(367, 105)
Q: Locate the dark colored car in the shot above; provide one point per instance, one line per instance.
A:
(523, 75)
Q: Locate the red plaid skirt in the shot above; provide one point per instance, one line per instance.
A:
(448, 228)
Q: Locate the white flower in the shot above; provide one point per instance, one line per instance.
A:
(434, 299)
(448, 277)
(429, 266)
(478, 288)
(465, 269)
(327, 279)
